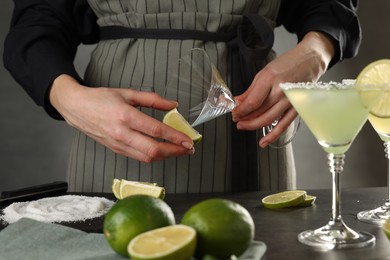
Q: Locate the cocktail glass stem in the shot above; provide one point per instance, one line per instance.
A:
(336, 234)
(379, 215)
(336, 163)
(387, 154)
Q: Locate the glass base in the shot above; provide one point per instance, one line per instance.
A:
(335, 236)
(376, 216)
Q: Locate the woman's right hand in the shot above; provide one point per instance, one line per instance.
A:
(110, 116)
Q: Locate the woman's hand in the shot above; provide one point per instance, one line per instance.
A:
(110, 116)
(264, 101)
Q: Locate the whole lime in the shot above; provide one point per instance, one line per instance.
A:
(132, 216)
(223, 227)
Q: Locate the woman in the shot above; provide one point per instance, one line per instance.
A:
(137, 43)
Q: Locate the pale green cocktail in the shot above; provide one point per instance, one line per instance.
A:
(334, 113)
(334, 116)
(381, 126)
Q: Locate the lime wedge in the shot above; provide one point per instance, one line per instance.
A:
(309, 200)
(116, 183)
(171, 242)
(284, 199)
(175, 120)
(386, 228)
(124, 188)
(376, 75)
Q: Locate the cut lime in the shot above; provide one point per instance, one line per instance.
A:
(376, 75)
(386, 228)
(175, 120)
(124, 188)
(132, 216)
(309, 200)
(167, 243)
(115, 187)
(284, 199)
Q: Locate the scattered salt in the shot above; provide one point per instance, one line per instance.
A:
(67, 208)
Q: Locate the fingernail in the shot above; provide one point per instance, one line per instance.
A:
(239, 127)
(234, 119)
(191, 152)
(264, 144)
(187, 145)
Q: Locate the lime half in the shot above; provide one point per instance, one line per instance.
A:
(124, 188)
(175, 120)
(284, 199)
(172, 242)
(376, 75)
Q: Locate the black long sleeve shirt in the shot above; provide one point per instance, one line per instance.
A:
(44, 36)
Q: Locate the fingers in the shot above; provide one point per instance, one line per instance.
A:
(280, 128)
(262, 118)
(253, 98)
(136, 137)
(146, 149)
(154, 128)
(149, 99)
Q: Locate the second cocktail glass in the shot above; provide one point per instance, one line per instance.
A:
(334, 113)
(380, 120)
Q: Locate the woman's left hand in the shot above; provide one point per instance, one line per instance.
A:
(264, 101)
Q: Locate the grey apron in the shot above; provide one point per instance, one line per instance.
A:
(226, 159)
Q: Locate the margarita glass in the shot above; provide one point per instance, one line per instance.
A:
(334, 113)
(381, 124)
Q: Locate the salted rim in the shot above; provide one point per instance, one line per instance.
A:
(347, 83)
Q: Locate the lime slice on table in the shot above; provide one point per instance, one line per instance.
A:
(376, 75)
(172, 242)
(124, 188)
(175, 120)
(285, 199)
(309, 200)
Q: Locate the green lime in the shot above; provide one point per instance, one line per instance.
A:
(166, 243)
(224, 228)
(175, 120)
(284, 199)
(132, 216)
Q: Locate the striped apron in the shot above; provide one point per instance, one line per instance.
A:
(138, 56)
